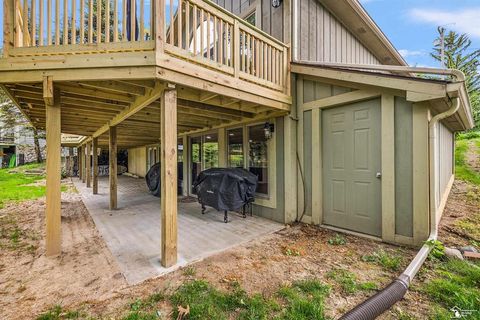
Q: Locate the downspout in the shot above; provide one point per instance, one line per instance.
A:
(396, 290)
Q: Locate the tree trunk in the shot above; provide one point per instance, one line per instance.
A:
(37, 145)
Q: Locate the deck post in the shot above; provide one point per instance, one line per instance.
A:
(88, 163)
(84, 161)
(112, 170)
(79, 162)
(53, 191)
(95, 165)
(168, 170)
(71, 162)
(8, 26)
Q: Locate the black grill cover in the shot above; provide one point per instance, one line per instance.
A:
(225, 189)
(153, 179)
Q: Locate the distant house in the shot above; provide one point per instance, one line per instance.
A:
(309, 95)
(17, 146)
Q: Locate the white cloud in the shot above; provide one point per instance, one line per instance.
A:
(465, 20)
(411, 53)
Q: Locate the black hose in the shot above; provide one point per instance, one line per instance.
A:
(379, 303)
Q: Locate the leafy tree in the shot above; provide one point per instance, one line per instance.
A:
(459, 55)
(12, 118)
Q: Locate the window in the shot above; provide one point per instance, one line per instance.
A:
(210, 151)
(235, 148)
(204, 153)
(258, 156)
(252, 18)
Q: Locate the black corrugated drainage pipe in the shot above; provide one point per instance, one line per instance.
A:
(377, 304)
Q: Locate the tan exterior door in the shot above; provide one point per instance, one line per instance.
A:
(352, 166)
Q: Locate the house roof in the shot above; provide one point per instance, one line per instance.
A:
(434, 91)
(356, 19)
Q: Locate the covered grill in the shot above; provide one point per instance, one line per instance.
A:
(152, 178)
(226, 189)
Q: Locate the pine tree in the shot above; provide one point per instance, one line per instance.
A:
(459, 55)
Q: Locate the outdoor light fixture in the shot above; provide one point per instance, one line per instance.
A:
(276, 3)
(269, 129)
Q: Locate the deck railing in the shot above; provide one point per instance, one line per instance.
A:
(207, 34)
(40, 23)
(194, 30)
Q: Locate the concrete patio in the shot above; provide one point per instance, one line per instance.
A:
(132, 233)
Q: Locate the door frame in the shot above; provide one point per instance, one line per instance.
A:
(387, 151)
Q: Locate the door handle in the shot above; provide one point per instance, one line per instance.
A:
(378, 175)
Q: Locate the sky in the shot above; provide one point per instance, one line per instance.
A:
(411, 25)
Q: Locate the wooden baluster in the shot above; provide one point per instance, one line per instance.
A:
(195, 28)
(99, 21)
(74, 22)
(187, 25)
(49, 22)
(236, 48)
(142, 20)
(247, 54)
(82, 21)
(257, 58)
(124, 21)
(115, 20)
(172, 24)
(107, 21)
(90, 21)
(133, 17)
(57, 22)
(33, 20)
(243, 51)
(265, 61)
(42, 21)
(215, 39)
(209, 40)
(179, 24)
(65, 21)
(202, 47)
(25, 23)
(221, 53)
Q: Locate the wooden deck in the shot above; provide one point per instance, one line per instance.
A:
(132, 232)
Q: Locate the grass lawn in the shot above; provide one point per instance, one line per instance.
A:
(462, 170)
(15, 184)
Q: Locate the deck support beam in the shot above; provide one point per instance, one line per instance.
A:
(168, 169)
(112, 170)
(95, 165)
(88, 163)
(53, 184)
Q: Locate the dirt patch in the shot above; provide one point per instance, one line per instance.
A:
(85, 277)
(471, 156)
(30, 281)
(463, 204)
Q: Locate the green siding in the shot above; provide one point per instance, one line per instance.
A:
(277, 214)
(307, 160)
(403, 167)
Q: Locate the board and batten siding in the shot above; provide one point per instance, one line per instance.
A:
(272, 20)
(403, 167)
(137, 161)
(321, 37)
(444, 161)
